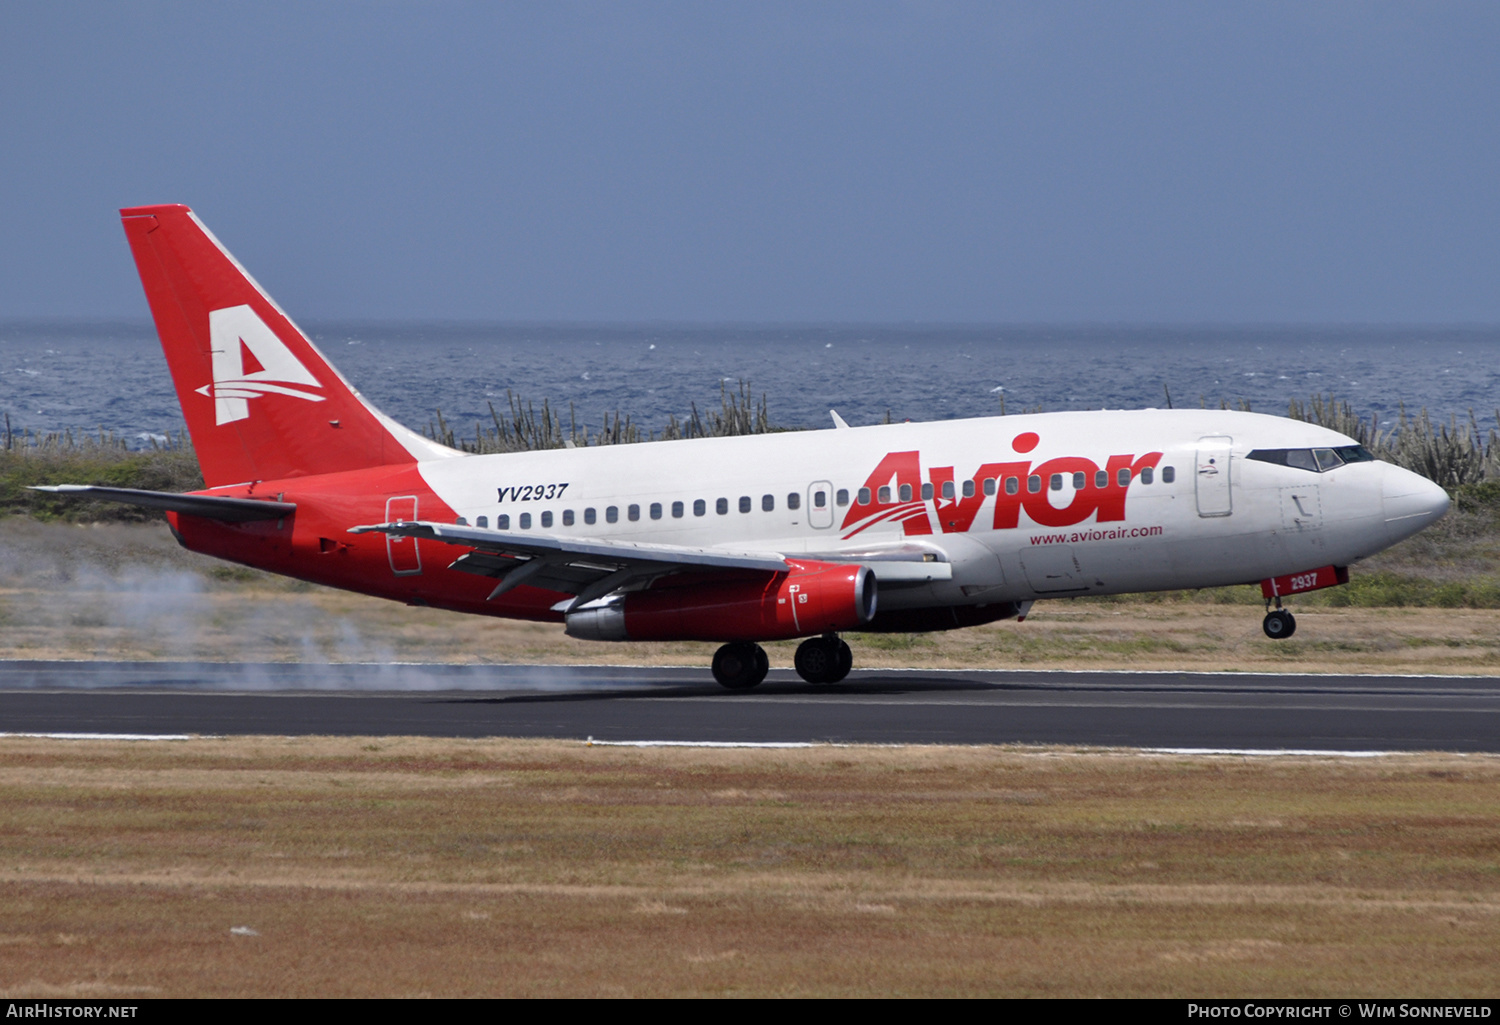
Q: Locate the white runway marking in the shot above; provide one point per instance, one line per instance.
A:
(110, 736)
(1270, 752)
(591, 742)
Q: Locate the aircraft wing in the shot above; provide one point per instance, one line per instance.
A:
(587, 567)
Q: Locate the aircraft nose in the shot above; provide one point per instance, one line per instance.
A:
(1411, 502)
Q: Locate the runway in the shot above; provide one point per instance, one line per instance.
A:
(1183, 710)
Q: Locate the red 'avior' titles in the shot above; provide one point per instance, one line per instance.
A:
(901, 473)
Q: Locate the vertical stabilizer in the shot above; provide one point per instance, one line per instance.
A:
(261, 402)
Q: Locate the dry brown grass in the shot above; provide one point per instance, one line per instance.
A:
(399, 867)
(118, 591)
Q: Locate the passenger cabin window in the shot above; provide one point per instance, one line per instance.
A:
(926, 492)
(633, 513)
(767, 503)
(1079, 480)
(1122, 477)
(1033, 484)
(1168, 474)
(948, 491)
(677, 510)
(968, 489)
(588, 516)
(1013, 485)
(547, 518)
(1057, 482)
(612, 514)
(1101, 479)
(502, 522)
(526, 521)
(841, 497)
(989, 486)
(906, 492)
(482, 521)
(744, 503)
(656, 510)
(864, 496)
(794, 500)
(700, 507)
(820, 499)
(567, 517)
(1146, 474)
(722, 507)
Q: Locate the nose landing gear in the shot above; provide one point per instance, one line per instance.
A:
(824, 659)
(1279, 624)
(741, 665)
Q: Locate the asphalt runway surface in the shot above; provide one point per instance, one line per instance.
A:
(1171, 710)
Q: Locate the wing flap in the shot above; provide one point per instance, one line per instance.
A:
(611, 553)
(572, 565)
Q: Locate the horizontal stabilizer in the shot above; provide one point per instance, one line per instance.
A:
(210, 507)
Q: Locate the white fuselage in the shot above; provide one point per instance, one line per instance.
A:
(1202, 514)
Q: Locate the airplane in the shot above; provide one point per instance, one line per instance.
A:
(908, 527)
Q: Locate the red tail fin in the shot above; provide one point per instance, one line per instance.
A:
(260, 400)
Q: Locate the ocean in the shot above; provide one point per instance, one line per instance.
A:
(58, 376)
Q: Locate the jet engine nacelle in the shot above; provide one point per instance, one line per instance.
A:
(812, 598)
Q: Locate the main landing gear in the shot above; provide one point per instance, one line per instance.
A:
(742, 665)
(1279, 623)
(824, 659)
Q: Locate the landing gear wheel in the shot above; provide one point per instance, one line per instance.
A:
(846, 663)
(819, 659)
(1279, 625)
(740, 666)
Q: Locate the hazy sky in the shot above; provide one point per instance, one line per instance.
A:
(1000, 162)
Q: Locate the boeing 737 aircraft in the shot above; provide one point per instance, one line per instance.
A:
(900, 527)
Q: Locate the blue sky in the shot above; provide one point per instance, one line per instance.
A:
(717, 161)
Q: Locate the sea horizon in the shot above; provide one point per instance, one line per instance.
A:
(84, 374)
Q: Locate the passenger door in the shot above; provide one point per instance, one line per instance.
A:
(1212, 477)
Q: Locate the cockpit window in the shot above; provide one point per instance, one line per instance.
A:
(1327, 459)
(1302, 459)
(1317, 460)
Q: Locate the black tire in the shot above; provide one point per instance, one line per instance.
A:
(845, 663)
(1279, 625)
(817, 659)
(740, 666)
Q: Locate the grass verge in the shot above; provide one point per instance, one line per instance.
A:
(404, 867)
